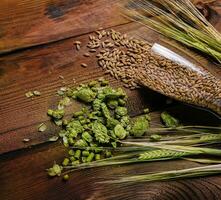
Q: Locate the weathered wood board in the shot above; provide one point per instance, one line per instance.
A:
(26, 23)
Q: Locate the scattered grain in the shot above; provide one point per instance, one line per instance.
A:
(83, 65)
(26, 140)
(61, 77)
(77, 42)
(78, 47)
(103, 45)
(92, 50)
(86, 55)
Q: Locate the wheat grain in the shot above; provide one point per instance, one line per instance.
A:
(157, 154)
(83, 65)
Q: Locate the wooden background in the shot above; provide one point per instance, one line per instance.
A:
(36, 47)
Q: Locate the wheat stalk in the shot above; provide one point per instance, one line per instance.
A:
(179, 20)
(168, 175)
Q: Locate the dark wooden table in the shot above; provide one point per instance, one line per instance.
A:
(36, 47)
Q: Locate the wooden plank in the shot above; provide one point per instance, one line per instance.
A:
(26, 23)
(23, 176)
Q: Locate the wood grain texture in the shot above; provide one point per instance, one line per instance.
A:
(26, 23)
(23, 176)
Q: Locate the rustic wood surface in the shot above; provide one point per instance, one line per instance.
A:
(25, 23)
(49, 29)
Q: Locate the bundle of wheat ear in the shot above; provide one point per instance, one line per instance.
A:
(179, 20)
